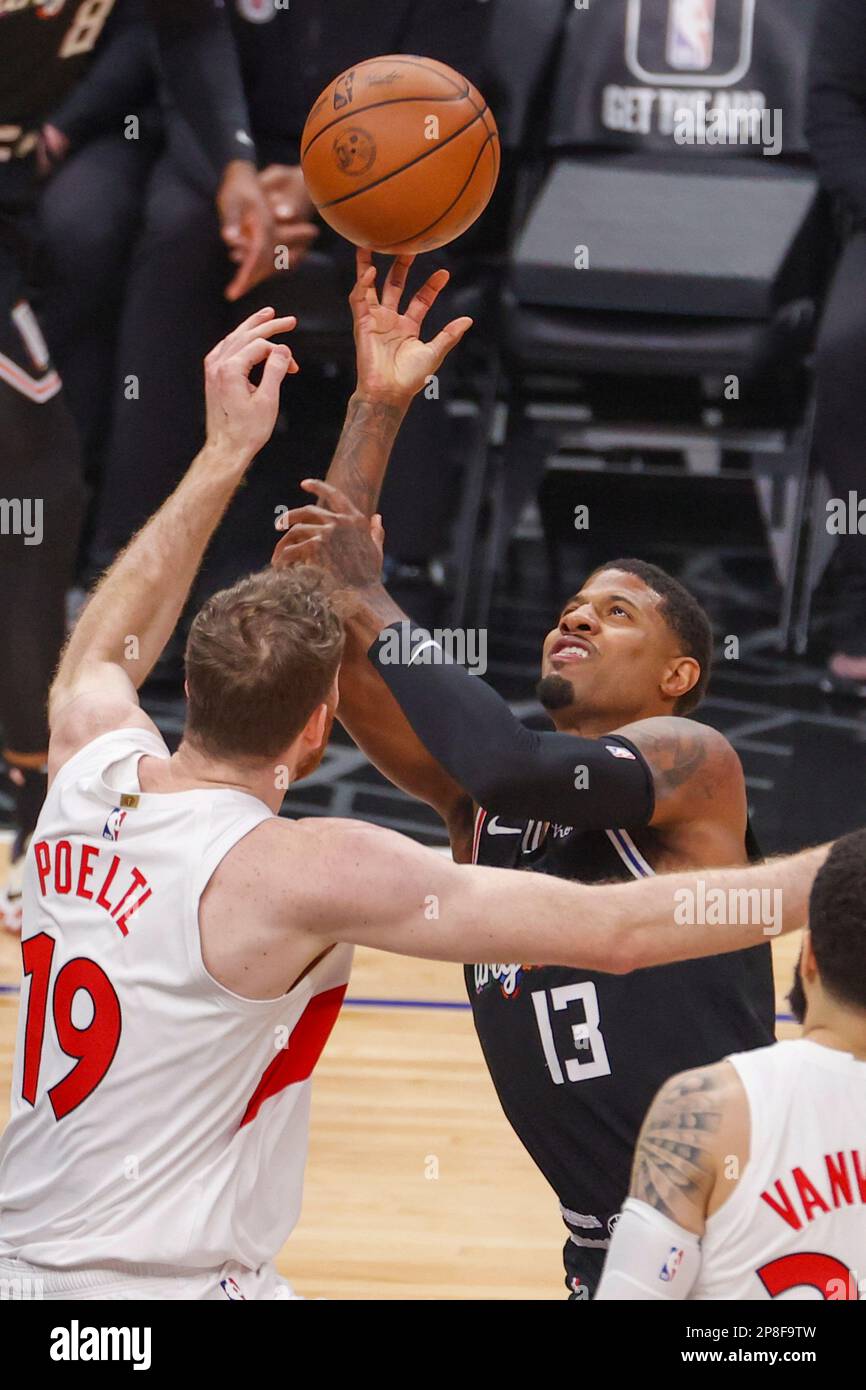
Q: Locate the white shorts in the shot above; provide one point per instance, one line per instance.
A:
(232, 1282)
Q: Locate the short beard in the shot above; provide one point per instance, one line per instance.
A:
(555, 693)
(797, 996)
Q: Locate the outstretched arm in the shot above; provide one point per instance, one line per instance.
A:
(391, 894)
(135, 608)
(393, 366)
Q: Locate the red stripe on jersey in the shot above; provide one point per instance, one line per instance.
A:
(480, 818)
(296, 1062)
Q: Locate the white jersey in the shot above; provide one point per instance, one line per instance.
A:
(157, 1118)
(795, 1225)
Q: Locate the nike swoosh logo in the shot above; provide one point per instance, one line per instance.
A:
(494, 828)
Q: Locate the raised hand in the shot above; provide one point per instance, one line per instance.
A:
(335, 535)
(240, 416)
(393, 363)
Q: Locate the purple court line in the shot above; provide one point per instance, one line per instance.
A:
(406, 1004)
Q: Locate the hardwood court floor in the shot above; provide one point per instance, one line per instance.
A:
(416, 1186)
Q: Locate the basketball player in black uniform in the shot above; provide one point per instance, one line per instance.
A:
(625, 786)
(45, 47)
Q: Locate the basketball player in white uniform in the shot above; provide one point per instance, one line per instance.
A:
(186, 950)
(750, 1176)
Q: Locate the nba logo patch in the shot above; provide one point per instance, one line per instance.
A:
(668, 1271)
(619, 752)
(111, 829)
(691, 34)
(232, 1290)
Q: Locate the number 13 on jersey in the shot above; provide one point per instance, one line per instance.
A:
(591, 1059)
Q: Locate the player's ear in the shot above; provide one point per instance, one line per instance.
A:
(313, 731)
(680, 676)
(808, 963)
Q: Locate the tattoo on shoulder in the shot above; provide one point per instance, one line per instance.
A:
(673, 1163)
(677, 757)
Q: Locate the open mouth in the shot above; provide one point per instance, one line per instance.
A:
(572, 649)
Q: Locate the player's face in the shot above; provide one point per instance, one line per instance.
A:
(608, 650)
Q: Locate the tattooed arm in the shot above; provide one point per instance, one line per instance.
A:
(341, 538)
(692, 1149)
(394, 365)
(693, 1145)
(699, 786)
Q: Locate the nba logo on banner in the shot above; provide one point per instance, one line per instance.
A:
(690, 43)
(691, 30)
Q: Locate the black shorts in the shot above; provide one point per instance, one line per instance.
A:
(583, 1268)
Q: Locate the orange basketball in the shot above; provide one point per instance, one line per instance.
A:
(400, 154)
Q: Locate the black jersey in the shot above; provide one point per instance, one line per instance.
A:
(577, 1056)
(46, 46)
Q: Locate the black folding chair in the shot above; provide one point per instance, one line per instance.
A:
(705, 268)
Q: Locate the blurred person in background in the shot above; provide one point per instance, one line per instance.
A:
(96, 151)
(175, 303)
(837, 135)
(44, 52)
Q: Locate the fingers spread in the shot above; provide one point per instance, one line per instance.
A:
(395, 284)
(426, 297)
(366, 277)
(450, 336)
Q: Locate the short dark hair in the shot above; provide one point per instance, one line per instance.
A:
(837, 920)
(259, 658)
(684, 616)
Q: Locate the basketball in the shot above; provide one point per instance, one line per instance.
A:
(400, 154)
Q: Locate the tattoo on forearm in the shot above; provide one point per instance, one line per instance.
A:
(379, 607)
(673, 1163)
(359, 464)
